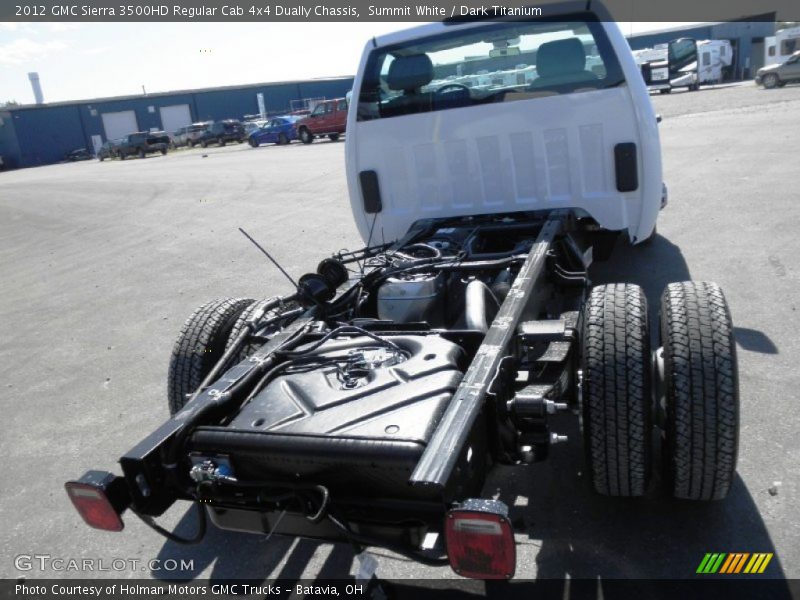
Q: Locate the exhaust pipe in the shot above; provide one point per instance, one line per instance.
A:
(478, 312)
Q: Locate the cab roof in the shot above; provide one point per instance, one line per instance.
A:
(550, 9)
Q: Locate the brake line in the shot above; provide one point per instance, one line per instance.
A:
(325, 512)
(198, 536)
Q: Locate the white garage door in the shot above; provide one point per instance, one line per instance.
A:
(119, 124)
(174, 117)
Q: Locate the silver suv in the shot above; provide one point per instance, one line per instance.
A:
(187, 136)
(779, 75)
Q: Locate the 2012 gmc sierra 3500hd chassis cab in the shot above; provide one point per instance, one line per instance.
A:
(370, 405)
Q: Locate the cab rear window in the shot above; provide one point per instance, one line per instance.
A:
(498, 62)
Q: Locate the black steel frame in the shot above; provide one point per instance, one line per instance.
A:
(154, 482)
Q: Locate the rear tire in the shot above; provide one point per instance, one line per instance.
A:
(701, 389)
(334, 137)
(141, 153)
(282, 139)
(241, 323)
(253, 142)
(200, 345)
(163, 152)
(221, 142)
(617, 390)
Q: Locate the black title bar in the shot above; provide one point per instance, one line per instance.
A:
(383, 10)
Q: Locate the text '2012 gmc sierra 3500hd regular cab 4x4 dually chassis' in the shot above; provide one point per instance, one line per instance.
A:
(370, 405)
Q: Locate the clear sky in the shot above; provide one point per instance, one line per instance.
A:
(90, 60)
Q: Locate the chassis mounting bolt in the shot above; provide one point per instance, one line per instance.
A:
(553, 407)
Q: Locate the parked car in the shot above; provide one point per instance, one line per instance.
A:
(252, 126)
(279, 130)
(779, 75)
(222, 132)
(328, 118)
(108, 150)
(77, 154)
(187, 136)
(142, 143)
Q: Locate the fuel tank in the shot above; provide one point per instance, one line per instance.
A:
(352, 414)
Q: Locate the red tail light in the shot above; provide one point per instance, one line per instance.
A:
(99, 498)
(480, 540)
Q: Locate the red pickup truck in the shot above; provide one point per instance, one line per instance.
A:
(329, 117)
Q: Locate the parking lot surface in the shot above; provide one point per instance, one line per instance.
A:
(101, 263)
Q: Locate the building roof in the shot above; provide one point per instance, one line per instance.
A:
(768, 17)
(676, 29)
(174, 93)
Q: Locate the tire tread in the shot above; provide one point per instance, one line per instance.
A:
(617, 390)
(702, 395)
(200, 344)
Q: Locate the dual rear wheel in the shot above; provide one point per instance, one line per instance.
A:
(696, 380)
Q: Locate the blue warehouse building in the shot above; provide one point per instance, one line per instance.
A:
(41, 134)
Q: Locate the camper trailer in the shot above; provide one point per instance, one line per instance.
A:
(667, 66)
(778, 48)
(684, 63)
(712, 58)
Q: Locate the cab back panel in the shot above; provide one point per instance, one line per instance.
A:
(536, 150)
(548, 152)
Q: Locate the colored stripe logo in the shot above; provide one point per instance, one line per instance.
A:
(734, 562)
